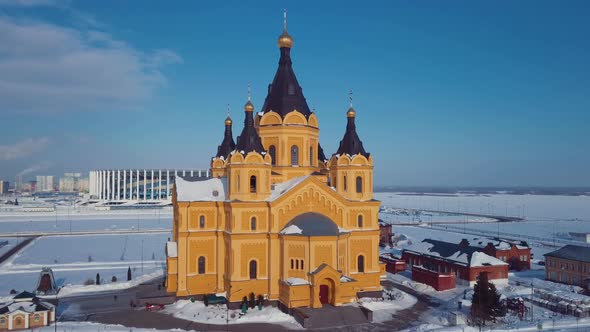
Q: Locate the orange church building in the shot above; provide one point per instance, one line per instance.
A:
(278, 218)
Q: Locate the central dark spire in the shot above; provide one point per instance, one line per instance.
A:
(284, 93)
(249, 140)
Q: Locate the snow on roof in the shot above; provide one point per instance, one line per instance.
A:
(465, 255)
(346, 279)
(283, 187)
(296, 281)
(481, 259)
(293, 229)
(499, 244)
(171, 249)
(200, 191)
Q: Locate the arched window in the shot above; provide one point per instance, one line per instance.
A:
(36, 318)
(202, 221)
(294, 155)
(253, 184)
(311, 156)
(359, 184)
(273, 154)
(360, 221)
(291, 89)
(253, 223)
(345, 184)
(302, 264)
(201, 265)
(253, 272)
(292, 264)
(238, 182)
(297, 264)
(361, 263)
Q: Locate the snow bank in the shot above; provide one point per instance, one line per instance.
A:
(81, 289)
(216, 314)
(383, 310)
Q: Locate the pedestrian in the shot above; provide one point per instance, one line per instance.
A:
(131, 303)
(115, 298)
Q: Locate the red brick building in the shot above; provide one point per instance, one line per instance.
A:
(385, 234)
(462, 260)
(392, 264)
(516, 253)
(437, 280)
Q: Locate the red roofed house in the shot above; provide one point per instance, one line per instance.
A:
(516, 253)
(462, 260)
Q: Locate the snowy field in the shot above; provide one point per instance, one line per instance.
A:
(7, 243)
(75, 259)
(405, 216)
(86, 222)
(544, 207)
(406, 235)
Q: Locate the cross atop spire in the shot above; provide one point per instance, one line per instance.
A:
(350, 97)
(285, 19)
(249, 92)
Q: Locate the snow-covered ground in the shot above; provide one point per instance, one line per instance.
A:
(111, 220)
(544, 207)
(409, 216)
(7, 243)
(75, 259)
(93, 327)
(394, 301)
(217, 314)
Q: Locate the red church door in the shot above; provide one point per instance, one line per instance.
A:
(324, 294)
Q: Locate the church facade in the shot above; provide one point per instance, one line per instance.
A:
(278, 218)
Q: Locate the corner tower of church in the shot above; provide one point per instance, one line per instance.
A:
(278, 219)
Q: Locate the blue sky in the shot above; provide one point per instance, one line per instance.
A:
(447, 92)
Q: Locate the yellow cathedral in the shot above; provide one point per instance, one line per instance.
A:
(278, 218)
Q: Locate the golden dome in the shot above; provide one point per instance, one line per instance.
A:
(351, 112)
(249, 107)
(285, 40)
(228, 121)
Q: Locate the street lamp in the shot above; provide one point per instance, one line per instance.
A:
(142, 256)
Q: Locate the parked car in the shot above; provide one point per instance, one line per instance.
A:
(214, 299)
(153, 307)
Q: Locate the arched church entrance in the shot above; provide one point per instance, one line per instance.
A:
(326, 292)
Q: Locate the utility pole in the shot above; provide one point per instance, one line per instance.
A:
(532, 305)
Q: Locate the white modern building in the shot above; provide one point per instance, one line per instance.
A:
(138, 184)
(45, 183)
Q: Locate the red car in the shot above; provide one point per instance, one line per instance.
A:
(152, 306)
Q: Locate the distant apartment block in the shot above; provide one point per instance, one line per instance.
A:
(45, 183)
(4, 187)
(73, 182)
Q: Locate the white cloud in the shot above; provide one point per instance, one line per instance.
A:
(23, 148)
(50, 68)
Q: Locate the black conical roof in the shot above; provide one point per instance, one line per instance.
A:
(227, 145)
(284, 93)
(249, 140)
(351, 143)
(321, 155)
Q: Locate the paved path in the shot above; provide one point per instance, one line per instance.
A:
(15, 249)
